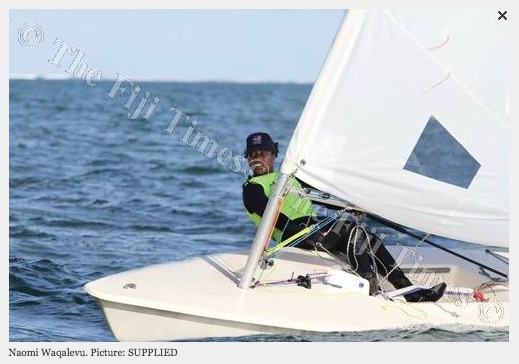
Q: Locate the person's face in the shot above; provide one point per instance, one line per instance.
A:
(261, 161)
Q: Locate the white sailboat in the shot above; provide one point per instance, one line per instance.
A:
(392, 80)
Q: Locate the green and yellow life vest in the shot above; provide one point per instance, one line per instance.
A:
(293, 207)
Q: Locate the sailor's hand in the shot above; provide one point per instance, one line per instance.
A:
(319, 236)
(358, 214)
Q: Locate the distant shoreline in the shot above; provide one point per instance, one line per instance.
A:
(66, 77)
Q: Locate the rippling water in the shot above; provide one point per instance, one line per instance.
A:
(93, 192)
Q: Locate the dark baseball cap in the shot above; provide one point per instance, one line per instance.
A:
(260, 141)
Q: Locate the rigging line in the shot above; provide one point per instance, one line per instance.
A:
(341, 262)
(497, 256)
(309, 230)
(396, 265)
(402, 230)
(352, 244)
(452, 313)
(302, 234)
(367, 246)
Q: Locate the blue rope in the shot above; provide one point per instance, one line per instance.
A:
(316, 227)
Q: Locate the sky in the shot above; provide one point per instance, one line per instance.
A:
(174, 44)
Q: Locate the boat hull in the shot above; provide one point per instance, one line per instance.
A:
(133, 323)
(200, 298)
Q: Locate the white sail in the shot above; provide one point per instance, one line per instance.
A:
(408, 120)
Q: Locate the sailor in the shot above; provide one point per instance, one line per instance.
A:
(366, 254)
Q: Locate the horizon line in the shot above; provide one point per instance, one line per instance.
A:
(68, 77)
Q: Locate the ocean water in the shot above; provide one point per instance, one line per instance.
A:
(94, 190)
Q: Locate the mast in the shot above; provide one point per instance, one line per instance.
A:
(264, 231)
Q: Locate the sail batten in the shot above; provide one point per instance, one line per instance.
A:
(436, 161)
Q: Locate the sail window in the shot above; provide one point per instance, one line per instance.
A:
(438, 155)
